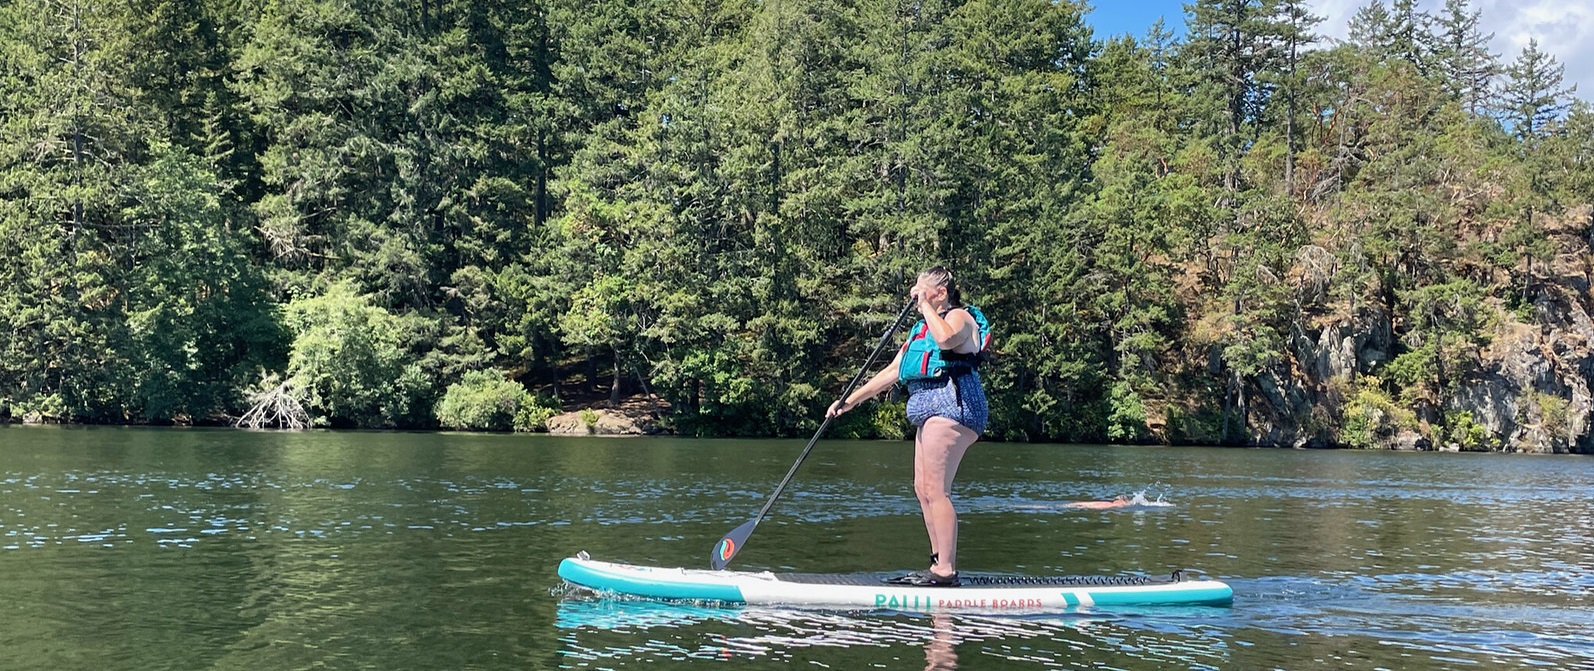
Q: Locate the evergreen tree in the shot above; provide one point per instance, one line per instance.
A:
(1015, 141)
(1464, 60)
(129, 295)
(1373, 28)
(1571, 151)
(721, 202)
(1297, 24)
(1236, 50)
(1132, 225)
(1409, 34)
(1531, 96)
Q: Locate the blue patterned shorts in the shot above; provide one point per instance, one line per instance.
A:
(940, 398)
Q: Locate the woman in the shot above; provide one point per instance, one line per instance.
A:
(946, 403)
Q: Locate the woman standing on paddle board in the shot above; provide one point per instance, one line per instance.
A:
(947, 404)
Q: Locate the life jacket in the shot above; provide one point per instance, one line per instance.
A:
(922, 359)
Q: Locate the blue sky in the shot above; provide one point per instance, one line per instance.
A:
(1111, 18)
(1563, 28)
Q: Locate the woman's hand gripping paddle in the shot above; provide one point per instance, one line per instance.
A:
(733, 541)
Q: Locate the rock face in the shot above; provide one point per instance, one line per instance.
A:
(1532, 392)
(1344, 348)
(1295, 402)
(1531, 389)
(1409, 440)
(634, 416)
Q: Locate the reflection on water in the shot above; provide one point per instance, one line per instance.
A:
(1272, 624)
(627, 633)
(941, 653)
(155, 549)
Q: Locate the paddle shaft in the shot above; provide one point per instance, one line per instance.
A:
(719, 562)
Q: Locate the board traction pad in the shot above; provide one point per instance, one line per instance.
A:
(977, 580)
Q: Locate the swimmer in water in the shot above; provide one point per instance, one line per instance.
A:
(1137, 501)
(1119, 502)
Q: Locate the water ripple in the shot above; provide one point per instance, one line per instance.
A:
(245, 550)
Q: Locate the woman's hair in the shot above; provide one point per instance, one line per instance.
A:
(941, 277)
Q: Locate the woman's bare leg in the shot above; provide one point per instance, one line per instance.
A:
(938, 449)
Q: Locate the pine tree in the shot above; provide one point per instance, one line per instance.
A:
(657, 198)
(1236, 51)
(1130, 226)
(1571, 151)
(1397, 31)
(1410, 38)
(1531, 96)
(128, 296)
(1013, 134)
(1373, 28)
(1463, 58)
(1297, 23)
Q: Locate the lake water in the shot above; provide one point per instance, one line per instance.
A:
(214, 549)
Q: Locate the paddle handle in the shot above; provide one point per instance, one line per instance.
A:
(728, 546)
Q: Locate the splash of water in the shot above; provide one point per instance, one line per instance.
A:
(1139, 500)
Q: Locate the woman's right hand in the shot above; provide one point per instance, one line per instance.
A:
(840, 406)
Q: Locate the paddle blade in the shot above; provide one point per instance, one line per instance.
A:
(730, 545)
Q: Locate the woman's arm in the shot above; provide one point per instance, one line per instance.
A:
(949, 333)
(881, 381)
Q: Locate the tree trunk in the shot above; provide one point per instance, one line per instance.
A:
(553, 366)
(544, 86)
(592, 373)
(614, 386)
(1527, 277)
(1243, 411)
(1289, 127)
(1237, 79)
(1228, 402)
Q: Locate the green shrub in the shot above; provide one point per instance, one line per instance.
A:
(1371, 416)
(1552, 412)
(1467, 433)
(1548, 412)
(1126, 416)
(484, 401)
(890, 421)
(534, 416)
(589, 418)
(1198, 426)
(41, 409)
(349, 362)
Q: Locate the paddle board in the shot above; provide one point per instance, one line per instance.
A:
(978, 592)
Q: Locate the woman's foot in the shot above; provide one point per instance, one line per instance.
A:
(933, 579)
(910, 578)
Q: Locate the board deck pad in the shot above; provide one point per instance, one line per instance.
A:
(977, 580)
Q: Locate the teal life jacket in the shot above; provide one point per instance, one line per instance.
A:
(922, 359)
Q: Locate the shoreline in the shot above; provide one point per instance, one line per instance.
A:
(220, 427)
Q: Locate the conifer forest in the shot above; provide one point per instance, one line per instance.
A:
(438, 213)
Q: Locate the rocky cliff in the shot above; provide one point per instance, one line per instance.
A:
(1527, 384)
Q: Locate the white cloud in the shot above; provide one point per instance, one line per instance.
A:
(1564, 29)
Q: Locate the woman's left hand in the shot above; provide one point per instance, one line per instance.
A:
(923, 295)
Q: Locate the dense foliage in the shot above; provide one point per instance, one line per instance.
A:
(722, 202)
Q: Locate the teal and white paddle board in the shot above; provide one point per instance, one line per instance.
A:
(831, 590)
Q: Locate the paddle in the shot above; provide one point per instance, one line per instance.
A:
(733, 541)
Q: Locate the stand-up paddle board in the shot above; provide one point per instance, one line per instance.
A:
(977, 592)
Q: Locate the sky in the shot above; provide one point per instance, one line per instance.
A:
(1564, 28)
